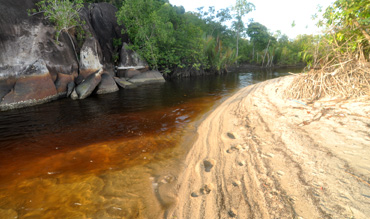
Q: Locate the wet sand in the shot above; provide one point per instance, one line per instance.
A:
(261, 155)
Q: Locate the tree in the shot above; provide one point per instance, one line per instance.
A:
(164, 35)
(354, 15)
(241, 8)
(63, 13)
(259, 36)
(348, 25)
(147, 26)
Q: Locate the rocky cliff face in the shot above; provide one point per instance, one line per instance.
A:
(34, 68)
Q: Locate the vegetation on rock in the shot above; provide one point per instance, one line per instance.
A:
(64, 14)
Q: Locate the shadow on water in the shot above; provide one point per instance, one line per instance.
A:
(92, 157)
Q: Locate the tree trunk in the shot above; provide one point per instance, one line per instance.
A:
(253, 52)
(237, 46)
(268, 44)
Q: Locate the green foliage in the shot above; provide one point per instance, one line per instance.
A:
(148, 26)
(241, 8)
(63, 13)
(270, 49)
(168, 38)
(348, 24)
(117, 44)
(218, 56)
(258, 34)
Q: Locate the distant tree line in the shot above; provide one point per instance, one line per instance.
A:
(170, 38)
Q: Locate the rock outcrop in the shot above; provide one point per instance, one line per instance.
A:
(26, 42)
(35, 68)
(86, 88)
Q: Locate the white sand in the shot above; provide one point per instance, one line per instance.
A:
(260, 155)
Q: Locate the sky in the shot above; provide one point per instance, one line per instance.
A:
(274, 14)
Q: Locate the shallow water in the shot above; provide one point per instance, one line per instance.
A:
(108, 156)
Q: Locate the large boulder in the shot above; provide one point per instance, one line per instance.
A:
(24, 40)
(107, 84)
(86, 88)
(89, 57)
(147, 78)
(33, 87)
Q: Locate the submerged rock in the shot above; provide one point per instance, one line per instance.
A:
(124, 84)
(107, 85)
(147, 78)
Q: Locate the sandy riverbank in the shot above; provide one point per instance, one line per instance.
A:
(260, 155)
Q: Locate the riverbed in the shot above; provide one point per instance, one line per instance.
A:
(108, 156)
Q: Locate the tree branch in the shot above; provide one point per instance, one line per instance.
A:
(359, 26)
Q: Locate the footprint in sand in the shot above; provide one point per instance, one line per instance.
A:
(241, 163)
(206, 189)
(231, 135)
(194, 194)
(232, 212)
(238, 147)
(208, 164)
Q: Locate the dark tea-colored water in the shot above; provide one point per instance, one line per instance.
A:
(102, 157)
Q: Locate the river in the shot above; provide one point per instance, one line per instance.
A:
(104, 157)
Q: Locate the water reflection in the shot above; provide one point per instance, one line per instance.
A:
(101, 156)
